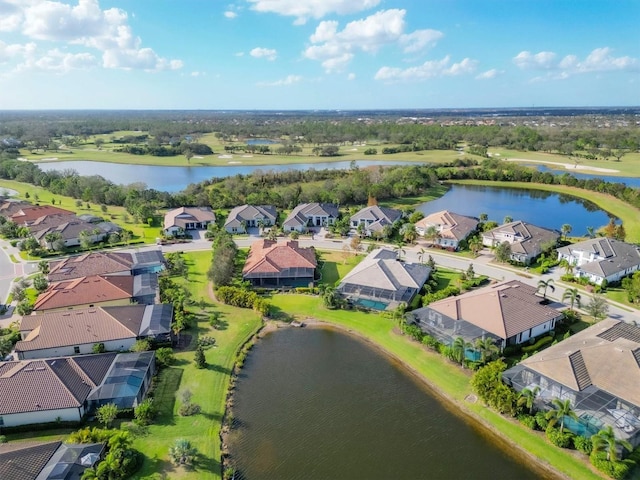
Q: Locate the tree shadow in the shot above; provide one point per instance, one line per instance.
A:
(164, 395)
(207, 464)
(276, 313)
(218, 368)
(214, 417)
(162, 469)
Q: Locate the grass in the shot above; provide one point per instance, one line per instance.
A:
(335, 265)
(444, 376)
(445, 277)
(628, 214)
(141, 231)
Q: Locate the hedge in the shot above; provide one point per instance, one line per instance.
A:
(540, 343)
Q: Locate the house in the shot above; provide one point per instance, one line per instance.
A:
(106, 264)
(10, 206)
(597, 370)
(527, 241)
(373, 219)
(600, 259)
(70, 229)
(382, 282)
(62, 333)
(86, 292)
(67, 388)
(250, 216)
(188, 218)
(273, 264)
(26, 215)
(309, 215)
(47, 460)
(509, 312)
(450, 228)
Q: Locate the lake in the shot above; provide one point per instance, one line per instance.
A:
(315, 403)
(175, 179)
(633, 182)
(545, 209)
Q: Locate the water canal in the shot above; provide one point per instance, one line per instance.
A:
(316, 403)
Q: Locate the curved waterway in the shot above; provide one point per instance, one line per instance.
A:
(316, 403)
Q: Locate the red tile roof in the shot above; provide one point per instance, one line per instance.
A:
(267, 256)
(95, 289)
(31, 214)
(95, 263)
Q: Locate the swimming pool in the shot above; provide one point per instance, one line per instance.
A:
(372, 304)
(580, 427)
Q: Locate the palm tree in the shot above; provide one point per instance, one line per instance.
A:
(431, 234)
(507, 219)
(567, 265)
(527, 398)
(572, 295)
(544, 285)
(487, 348)
(475, 245)
(566, 230)
(398, 316)
(459, 348)
(330, 297)
(399, 249)
(562, 409)
(408, 232)
(182, 452)
(591, 232)
(483, 217)
(421, 254)
(606, 440)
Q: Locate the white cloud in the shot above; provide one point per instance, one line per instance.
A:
(351, 76)
(10, 51)
(268, 53)
(493, 73)
(599, 60)
(429, 69)
(336, 48)
(303, 10)
(230, 14)
(288, 80)
(83, 24)
(58, 62)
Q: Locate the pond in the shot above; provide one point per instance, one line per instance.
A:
(633, 182)
(175, 179)
(315, 403)
(545, 209)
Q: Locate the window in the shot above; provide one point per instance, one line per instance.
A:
(1, 422)
(76, 349)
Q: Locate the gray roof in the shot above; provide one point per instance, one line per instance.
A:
(381, 269)
(450, 224)
(147, 257)
(302, 212)
(251, 212)
(25, 460)
(529, 238)
(378, 216)
(613, 255)
(70, 461)
(145, 284)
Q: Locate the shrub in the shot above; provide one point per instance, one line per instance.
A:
(537, 345)
(144, 412)
(431, 342)
(528, 420)
(541, 420)
(583, 444)
(164, 356)
(141, 345)
(188, 409)
(206, 342)
(558, 438)
(617, 470)
(98, 348)
(199, 359)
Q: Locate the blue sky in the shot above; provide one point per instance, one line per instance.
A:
(318, 54)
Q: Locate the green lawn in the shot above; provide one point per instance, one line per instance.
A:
(443, 375)
(335, 265)
(629, 215)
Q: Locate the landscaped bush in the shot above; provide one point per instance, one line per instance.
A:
(239, 297)
(617, 470)
(450, 291)
(558, 438)
(431, 342)
(528, 420)
(538, 344)
(188, 409)
(542, 421)
(164, 356)
(206, 342)
(583, 444)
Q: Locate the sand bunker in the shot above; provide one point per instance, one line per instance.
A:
(233, 163)
(225, 156)
(247, 156)
(568, 166)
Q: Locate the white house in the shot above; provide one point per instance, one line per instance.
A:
(450, 228)
(373, 219)
(250, 216)
(309, 215)
(188, 218)
(527, 241)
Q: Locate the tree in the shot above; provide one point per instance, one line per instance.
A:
(566, 230)
(399, 249)
(182, 452)
(459, 348)
(475, 245)
(610, 229)
(431, 263)
(188, 154)
(591, 232)
(605, 440)
(142, 345)
(431, 234)
(125, 236)
(144, 412)
(86, 239)
(507, 219)
(598, 307)
(487, 348)
(571, 295)
(409, 232)
(544, 285)
(43, 266)
(567, 265)
(40, 283)
(502, 252)
(106, 414)
(561, 409)
(330, 297)
(527, 398)
(421, 254)
(199, 359)
(98, 142)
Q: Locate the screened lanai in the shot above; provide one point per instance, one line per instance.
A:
(446, 329)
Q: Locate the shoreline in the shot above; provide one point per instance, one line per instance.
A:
(453, 405)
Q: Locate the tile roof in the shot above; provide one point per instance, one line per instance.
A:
(95, 263)
(449, 224)
(9, 206)
(267, 256)
(25, 460)
(32, 213)
(504, 309)
(301, 214)
(251, 212)
(179, 217)
(93, 289)
(610, 256)
(608, 351)
(79, 327)
(381, 269)
(528, 239)
(54, 220)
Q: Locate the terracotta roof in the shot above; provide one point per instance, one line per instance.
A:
(267, 256)
(95, 263)
(78, 327)
(85, 290)
(179, 217)
(609, 350)
(504, 309)
(31, 214)
(25, 460)
(449, 224)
